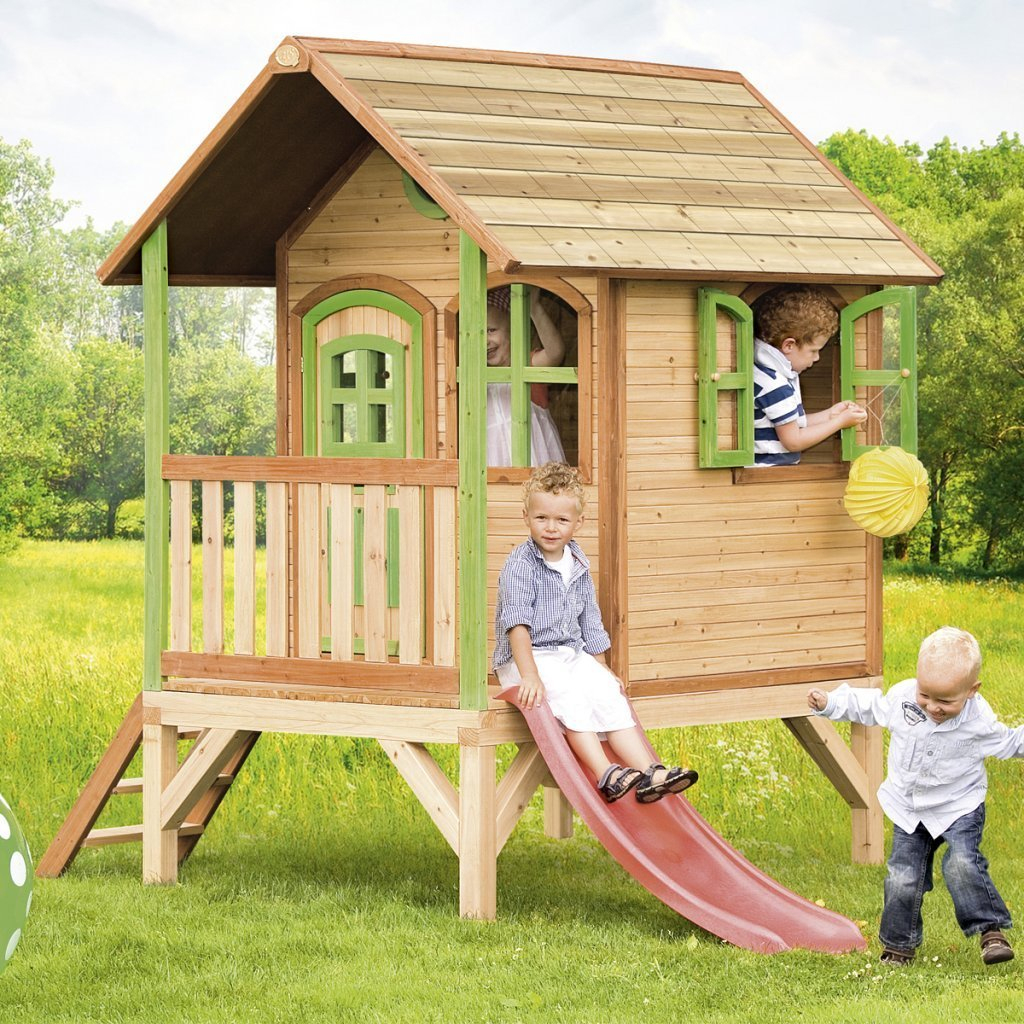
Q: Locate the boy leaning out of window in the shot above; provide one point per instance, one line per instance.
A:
(792, 324)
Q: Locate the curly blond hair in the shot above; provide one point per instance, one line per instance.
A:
(555, 478)
(794, 311)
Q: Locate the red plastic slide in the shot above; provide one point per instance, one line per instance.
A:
(673, 852)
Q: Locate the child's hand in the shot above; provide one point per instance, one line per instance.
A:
(817, 700)
(531, 692)
(849, 414)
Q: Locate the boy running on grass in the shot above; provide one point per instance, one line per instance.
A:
(941, 730)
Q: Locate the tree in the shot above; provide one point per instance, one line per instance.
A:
(31, 366)
(103, 435)
(964, 206)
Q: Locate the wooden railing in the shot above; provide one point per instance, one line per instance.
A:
(338, 610)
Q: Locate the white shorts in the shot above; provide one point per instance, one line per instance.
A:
(583, 695)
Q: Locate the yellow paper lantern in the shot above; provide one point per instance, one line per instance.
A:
(887, 492)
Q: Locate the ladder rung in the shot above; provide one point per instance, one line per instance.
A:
(130, 834)
(135, 785)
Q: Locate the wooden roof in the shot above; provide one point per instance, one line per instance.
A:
(548, 162)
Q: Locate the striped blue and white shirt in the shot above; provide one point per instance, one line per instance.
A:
(533, 593)
(777, 400)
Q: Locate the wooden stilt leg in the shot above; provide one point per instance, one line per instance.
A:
(159, 763)
(557, 813)
(478, 846)
(868, 844)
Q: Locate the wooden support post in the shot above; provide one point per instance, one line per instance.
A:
(157, 514)
(557, 813)
(472, 474)
(478, 846)
(868, 842)
(159, 763)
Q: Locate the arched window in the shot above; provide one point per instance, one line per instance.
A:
(537, 374)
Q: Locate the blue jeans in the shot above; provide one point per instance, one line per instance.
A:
(978, 905)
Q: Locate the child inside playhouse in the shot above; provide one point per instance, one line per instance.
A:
(792, 324)
(545, 442)
(941, 730)
(550, 640)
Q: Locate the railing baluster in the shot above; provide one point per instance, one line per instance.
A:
(303, 496)
(181, 565)
(277, 570)
(375, 590)
(444, 576)
(341, 572)
(245, 567)
(213, 566)
(309, 570)
(410, 579)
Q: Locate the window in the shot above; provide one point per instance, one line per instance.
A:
(875, 366)
(363, 397)
(537, 374)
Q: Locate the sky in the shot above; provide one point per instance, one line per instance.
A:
(117, 94)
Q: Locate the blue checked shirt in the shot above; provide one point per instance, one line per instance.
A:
(936, 771)
(532, 594)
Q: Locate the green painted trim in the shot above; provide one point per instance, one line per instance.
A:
(420, 200)
(472, 474)
(519, 324)
(711, 382)
(391, 555)
(156, 596)
(850, 378)
(363, 397)
(346, 300)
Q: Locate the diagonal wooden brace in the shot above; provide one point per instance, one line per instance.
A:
(430, 784)
(517, 786)
(818, 736)
(200, 770)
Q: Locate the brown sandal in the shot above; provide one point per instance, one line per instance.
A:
(617, 781)
(995, 947)
(675, 781)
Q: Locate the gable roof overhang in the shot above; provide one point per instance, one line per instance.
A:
(558, 164)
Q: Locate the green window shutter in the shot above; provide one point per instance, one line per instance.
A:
(899, 346)
(713, 382)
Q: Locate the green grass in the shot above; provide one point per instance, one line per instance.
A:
(322, 892)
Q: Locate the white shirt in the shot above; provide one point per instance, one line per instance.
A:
(564, 565)
(936, 770)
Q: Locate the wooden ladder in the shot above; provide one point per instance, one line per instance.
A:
(108, 779)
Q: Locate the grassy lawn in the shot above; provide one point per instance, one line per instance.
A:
(322, 892)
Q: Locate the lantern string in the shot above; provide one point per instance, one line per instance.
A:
(882, 416)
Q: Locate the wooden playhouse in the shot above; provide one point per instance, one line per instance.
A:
(382, 189)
